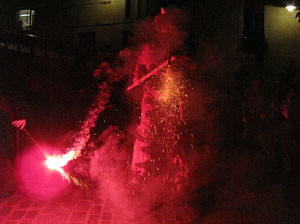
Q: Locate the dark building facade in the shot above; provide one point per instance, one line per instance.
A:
(72, 24)
(232, 31)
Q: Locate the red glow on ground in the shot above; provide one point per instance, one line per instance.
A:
(35, 178)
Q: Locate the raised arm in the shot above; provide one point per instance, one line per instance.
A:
(8, 107)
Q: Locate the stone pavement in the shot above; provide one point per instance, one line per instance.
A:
(73, 206)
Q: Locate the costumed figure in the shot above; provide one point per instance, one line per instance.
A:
(160, 73)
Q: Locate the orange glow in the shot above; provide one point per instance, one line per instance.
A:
(172, 91)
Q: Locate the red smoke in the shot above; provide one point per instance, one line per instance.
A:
(35, 178)
(153, 40)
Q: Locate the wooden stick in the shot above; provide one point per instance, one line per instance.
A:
(148, 75)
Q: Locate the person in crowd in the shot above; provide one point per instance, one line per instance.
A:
(157, 129)
(255, 108)
(291, 153)
(9, 139)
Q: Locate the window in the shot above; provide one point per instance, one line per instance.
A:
(136, 9)
(25, 19)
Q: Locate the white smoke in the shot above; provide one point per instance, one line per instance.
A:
(98, 106)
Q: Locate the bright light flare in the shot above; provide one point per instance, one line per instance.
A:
(35, 178)
(57, 162)
(290, 8)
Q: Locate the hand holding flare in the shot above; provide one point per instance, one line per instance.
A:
(20, 124)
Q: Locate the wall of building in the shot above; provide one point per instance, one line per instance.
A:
(107, 18)
(2, 10)
(216, 26)
(7, 14)
(65, 20)
(282, 31)
(217, 29)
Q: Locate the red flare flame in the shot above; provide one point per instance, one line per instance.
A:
(57, 162)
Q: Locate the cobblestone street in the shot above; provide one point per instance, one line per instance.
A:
(73, 206)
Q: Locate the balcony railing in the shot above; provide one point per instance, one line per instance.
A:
(40, 46)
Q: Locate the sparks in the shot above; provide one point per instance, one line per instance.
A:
(172, 90)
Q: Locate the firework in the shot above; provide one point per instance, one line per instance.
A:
(172, 92)
(57, 162)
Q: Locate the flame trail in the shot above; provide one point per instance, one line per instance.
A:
(57, 162)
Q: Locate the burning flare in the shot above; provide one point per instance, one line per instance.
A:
(57, 162)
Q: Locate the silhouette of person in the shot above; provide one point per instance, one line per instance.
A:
(9, 142)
